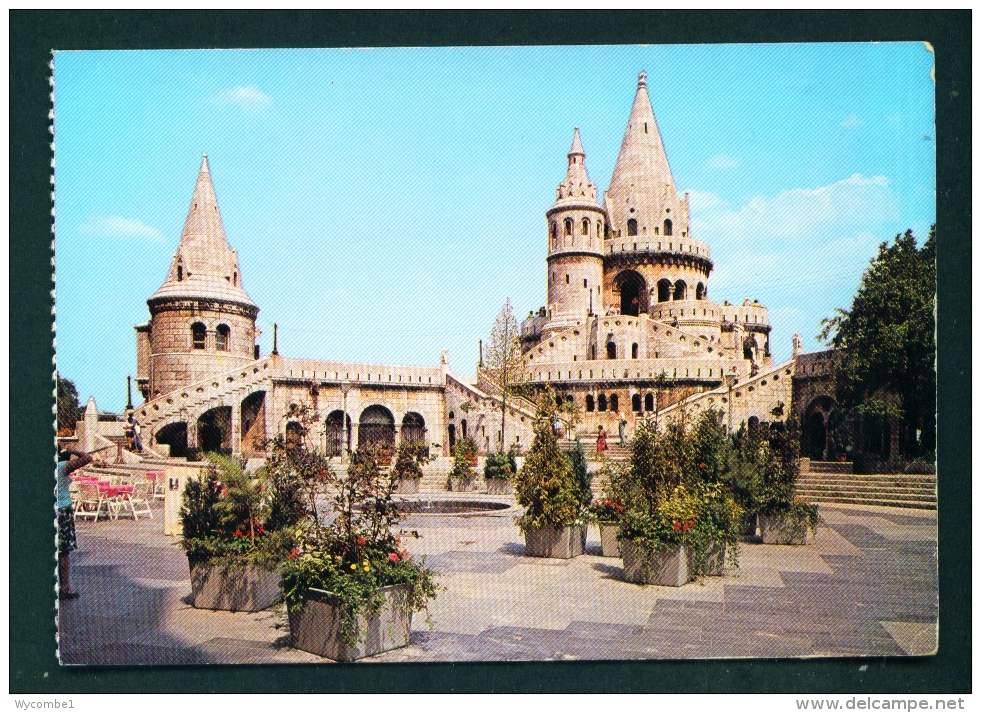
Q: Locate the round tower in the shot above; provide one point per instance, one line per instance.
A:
(202, 322)
(576, 225)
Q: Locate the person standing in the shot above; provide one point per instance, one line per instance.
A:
(623, 428)
(601, 441)
(69, 460)
(137, 441)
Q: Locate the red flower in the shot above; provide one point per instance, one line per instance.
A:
(361, 541)
(405, 554)
(294, 553)
(676, 526)
(262, 528)
(239, 533)
(394, 557)
(702, 466)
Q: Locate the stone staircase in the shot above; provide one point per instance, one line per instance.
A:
(900, 490)
(825, 466)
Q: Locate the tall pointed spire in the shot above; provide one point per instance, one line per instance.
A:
(642, 187)
(205, 265)
(576, 185)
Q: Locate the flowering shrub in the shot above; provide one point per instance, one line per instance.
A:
(502, 466)
(409, 459)
(464, 453)
(606, 510)
(359, 551)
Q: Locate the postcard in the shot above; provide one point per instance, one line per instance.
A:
(495, 353)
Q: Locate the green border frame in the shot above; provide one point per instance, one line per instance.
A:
(33, 34)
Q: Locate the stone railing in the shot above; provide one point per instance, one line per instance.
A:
(676, 368)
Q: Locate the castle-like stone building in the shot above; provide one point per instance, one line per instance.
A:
(628, 329)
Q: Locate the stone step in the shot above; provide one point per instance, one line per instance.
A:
(880, 495)
(912, 487)
(818, 466)
(882, 502)
(870, 482)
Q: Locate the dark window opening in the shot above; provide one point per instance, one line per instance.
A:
(611, 350)
(590, 403)
(222, 335)
(632, 227)
(568, 226)
(634, 349)
(699, 291)
(680, 290)
(649, 402)
(614, 402)
(602, 402)
(198, 332)
(667, 227)
(663, 290)
(180, 273)
(585, 226)
(635, 403)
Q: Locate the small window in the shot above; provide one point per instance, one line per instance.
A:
(568, 226)
(235, 279)
(599, 228)
(585, 226)
(590, 403)
(614, 402)
(667, 227)
(180, 273)
(633, 350)
(635, 403)
(555, 230)
(222, 338)
(584, 284)
(567, 278)
(602, 402)
(611, 350)
(632, 227)
(198, 333)
(649, 402)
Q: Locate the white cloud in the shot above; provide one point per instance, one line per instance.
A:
(249, 98)
(722, 161)
(851, 205)
(851, 122)
(702, 201)
(114, 226)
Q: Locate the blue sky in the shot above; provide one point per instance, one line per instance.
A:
(385, 202)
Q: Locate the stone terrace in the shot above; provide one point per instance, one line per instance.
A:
(867, 586)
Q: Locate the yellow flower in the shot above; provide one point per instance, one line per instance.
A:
(367, 567)
(354, 566)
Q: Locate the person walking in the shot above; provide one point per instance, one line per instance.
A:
(137, 441)
(601, 441)
(69, 460)
(623, 428)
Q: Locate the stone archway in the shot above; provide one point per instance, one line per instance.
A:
(334, 433)
(814, 440)
(175, 436)
(253, 427)
(215, 430)
(633, 292)
(376, 427)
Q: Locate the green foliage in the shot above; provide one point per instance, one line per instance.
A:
(360, 550)
(463, 454)
(547, 485)
(580, 470)
(676, 488)
(69, 409)
(885, 348)
(410, 457)
(501, 466)
(504, 362)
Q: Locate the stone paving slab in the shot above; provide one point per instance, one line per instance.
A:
(866, 585)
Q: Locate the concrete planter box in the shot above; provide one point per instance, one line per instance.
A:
(556, 542)
(716, 564)
(316, 626)
(608, 539)
(465, 486)
(784, 529)
(499, 486)
(407, 486)
(670, 567)
(234, 587)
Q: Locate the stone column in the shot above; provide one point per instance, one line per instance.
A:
(91, 421)
(236, 427)
(192, 432)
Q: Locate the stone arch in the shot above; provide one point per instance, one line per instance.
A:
(649, 402)
(253, 426)
(635, 403)
(413, 428)
(215, 430)
(633, 292)
(451, 436)
(668, 227)
(173, 434)
(700, 291)
(750, 348)
(602, 402)
(338, 435)
(814, 440)
(611, 348)
(664, 290)
(590, 403)
(376, 427)
(294, 432)
(680, 290)
(585, 226)
(634, 350)
(614, 402)
(632, 227)
(568, 226)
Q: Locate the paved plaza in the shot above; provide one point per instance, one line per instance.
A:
(866, 586)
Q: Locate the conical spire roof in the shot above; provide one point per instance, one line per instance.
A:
(576, 187)
(205, 266)
(642, 178)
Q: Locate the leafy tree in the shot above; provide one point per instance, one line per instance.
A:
(547, 484)
(885, 348)
(504, 358)
(69, 409)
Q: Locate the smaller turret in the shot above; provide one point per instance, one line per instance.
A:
(576, 225)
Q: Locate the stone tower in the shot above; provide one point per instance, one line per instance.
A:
(576, 225)
(202, 322)
(650, 253)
